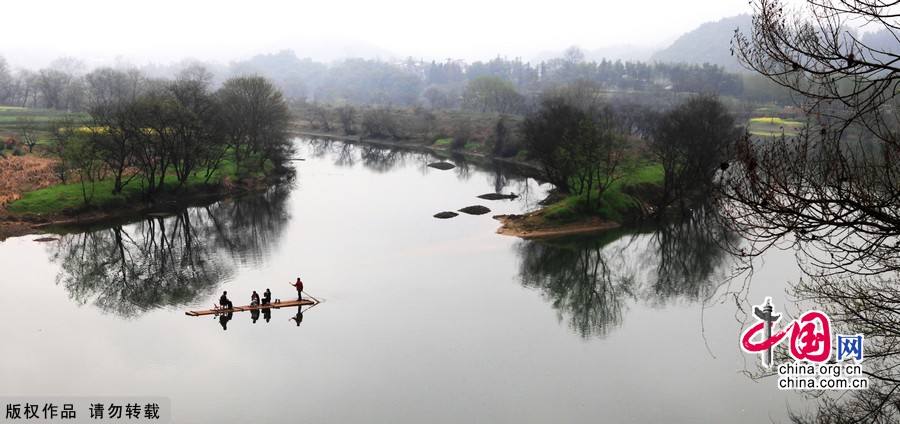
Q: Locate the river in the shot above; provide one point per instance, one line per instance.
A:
(421, 320)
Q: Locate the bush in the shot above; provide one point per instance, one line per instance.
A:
(18, 152)
(379, 123)
(443, 142)
(508, 151)
(347, 115)
(462, 135)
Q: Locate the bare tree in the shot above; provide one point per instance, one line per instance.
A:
(834, 189)
(7, 83)
(815, 54)
(691, 141)
(110, 94)
(255, 122)
(319, 115)
(27, 92)
(52, 84)
(347, 115)
(29, 131)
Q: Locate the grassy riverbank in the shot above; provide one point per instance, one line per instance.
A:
(626, 200)
(621, 199)
(70, 198)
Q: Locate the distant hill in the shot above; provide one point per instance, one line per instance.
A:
(625, 53)
(709, 43)
(884, 40)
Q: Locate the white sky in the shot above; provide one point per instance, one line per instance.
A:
(168, 30)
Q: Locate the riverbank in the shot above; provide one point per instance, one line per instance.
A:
(20, 224)
(50, 208)
(626, 201)
(528, 168)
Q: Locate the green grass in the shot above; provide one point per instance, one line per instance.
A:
(614, 203)
(443, 142)
(63, 197)
(9, 117)
(522, 155)
(770, 126)
(771, 120)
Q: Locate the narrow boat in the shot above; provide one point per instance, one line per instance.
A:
(277, 305)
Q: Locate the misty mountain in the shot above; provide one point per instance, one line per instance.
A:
(709, 43)
(883, 40)
(623, 52)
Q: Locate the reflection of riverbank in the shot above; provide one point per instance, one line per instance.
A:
(16, 224)
(524, 168)
(171, 260)
(533, 226)
(589, 280)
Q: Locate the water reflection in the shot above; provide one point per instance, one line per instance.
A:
(382, 159)
(299, 317)
(170, 261)
(223, 320)
(577, 278)
(868, 306)
(689, 257)
(589, 281)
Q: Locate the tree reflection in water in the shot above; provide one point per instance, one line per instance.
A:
(868, 306)
(589, 280)
(382, 159)
(169, 261)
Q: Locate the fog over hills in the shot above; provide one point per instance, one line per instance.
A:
(709, 43)
(623, 52)
(322, 49)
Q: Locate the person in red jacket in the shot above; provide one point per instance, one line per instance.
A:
(299, 286)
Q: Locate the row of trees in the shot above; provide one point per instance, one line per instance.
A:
(54, 87)
(149, 131)
(445, 84)
(450, 84)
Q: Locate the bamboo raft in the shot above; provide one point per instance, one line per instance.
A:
(279, 305)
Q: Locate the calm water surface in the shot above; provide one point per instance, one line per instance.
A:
(423, 320)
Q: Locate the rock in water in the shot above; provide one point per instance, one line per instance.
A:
(445, 215)
(497, 196)
(443, 166)
(475, 210)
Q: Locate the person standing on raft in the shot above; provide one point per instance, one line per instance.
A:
(299, 286)
(254, 298)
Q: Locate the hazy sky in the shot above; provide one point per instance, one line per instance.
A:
(166, 30)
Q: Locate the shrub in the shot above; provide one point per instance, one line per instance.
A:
(379, 123)
(462, 135)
